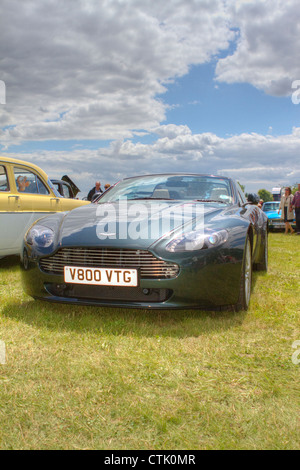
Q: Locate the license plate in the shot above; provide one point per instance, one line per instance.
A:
(101, 276)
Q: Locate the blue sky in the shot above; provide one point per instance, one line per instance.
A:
(105, 90)
(226, 109)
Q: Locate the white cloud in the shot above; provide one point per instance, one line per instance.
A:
(253, 159)
(84, 69)
(268, 47)
(172, 131)
(93, 70)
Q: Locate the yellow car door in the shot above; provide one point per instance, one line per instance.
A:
(8, 200)
(34, 194)
(9, 208)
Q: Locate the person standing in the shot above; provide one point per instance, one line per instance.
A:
(287, 213)
(260, 204)
(296, 206)
(95, 191)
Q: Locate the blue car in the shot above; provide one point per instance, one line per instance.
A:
(275, 222)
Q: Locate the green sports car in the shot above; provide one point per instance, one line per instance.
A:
(155, 241)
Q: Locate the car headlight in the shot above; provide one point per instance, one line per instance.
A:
(40, 236)
(197, 240)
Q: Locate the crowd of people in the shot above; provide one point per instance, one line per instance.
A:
(96, 190)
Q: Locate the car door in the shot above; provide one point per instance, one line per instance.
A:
(33, 201)
(34, 194)
(7, 201)
(10, 224)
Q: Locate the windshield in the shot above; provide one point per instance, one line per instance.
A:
(172, 187)
(271, 206)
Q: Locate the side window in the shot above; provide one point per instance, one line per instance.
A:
(56, 187)
(28, 182)
(66, 191)
(41, 187)
(4, 185)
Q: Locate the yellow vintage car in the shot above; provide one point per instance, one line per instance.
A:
(26, 194)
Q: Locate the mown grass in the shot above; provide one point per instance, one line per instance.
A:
(98, 378)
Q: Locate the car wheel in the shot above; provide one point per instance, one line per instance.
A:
(25, 260)
(246, 279)
(263, 265)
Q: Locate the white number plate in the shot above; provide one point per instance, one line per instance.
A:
(101, 276)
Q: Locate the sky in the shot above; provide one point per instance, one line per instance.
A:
(105, 89)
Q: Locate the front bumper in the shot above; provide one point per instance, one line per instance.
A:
(278, 224)
(208, 280)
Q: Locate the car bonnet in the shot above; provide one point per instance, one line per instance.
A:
(134, 224)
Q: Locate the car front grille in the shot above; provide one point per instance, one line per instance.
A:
(149, 266)
(276, 221)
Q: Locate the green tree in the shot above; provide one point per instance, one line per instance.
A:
(265, 195)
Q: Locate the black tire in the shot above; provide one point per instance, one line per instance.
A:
(246, 279)
(263, 265)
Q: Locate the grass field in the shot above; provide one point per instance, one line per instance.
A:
(97, 378)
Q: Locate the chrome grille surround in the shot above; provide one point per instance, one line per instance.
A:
(149, 266)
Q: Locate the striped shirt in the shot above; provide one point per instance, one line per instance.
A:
(296, 200)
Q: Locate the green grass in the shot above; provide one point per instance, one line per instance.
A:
(98, 378)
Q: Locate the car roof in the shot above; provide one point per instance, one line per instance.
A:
(59, 181)
(24, 163)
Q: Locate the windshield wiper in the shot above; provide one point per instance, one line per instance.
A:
(153, 198)
(211, 200)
